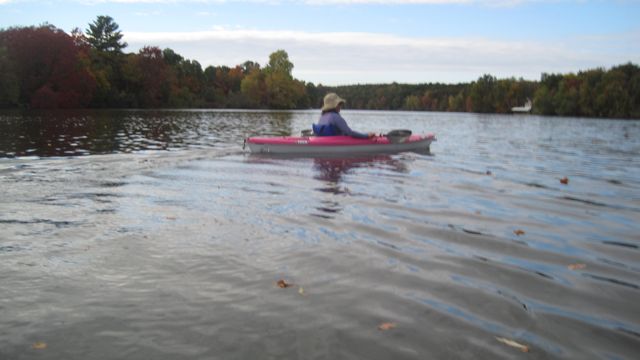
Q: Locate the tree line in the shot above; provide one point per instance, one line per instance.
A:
(44, 67)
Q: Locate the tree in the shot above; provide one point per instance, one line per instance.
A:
(590, 79)
(48, 67)
(79, 39)
(103, 35)
(412, 102)
(9, 86)
(279, 63)
(148, 75)
(249, 66)
(543, 101)
(482, 94)
(613, 97)
(282, 90)
(634, 90)
(254, 89)
(189, 75)
(171, 58)
(566, 99)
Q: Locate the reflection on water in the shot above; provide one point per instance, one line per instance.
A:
(138, 251)
(78, 132)
(331, 169)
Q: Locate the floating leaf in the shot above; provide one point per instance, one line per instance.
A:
(523, 348)
(577, 266)
(386, 326)
(283, 284)
(39, 345)
(564, 180)
(518, 232)
(301, 291)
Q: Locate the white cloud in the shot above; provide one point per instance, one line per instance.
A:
(307, 2)
(358, 57)
(206, 13)
(314, 2)
(148, 13)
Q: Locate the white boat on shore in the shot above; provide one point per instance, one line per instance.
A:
(523, 109)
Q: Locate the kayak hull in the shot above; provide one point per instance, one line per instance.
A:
(336, 144)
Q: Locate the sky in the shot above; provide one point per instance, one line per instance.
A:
(342, 42)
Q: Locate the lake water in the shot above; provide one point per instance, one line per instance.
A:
(154, 235)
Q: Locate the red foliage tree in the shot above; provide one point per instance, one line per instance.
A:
(153, 80)
(50, 64)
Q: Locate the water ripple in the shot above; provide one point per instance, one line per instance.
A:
(150, 234)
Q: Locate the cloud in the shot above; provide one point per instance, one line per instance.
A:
(307, 2)
(359, 57)
(148, 13)
(314, 2)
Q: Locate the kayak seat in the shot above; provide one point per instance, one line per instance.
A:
(324, 130)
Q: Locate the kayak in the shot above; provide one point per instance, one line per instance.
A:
(337, 144)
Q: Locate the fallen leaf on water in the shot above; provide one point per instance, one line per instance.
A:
(577, 266)
(39, 345)
(518, 232)
(564, 180)
(523, 348)
(283, 284)
(301, 291)
(386, 326)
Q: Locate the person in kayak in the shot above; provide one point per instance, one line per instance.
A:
(331, 123)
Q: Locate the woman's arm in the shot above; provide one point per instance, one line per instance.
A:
(341, 124)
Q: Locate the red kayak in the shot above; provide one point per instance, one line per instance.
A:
(338, 144)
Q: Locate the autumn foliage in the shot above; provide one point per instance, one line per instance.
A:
(51, 71)
(44, 67)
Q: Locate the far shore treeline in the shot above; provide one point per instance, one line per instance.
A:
(43, 67)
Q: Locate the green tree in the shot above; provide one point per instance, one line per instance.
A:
(109, 64)
(280, 91)
(482, 94)
(249, 66)
(613, 96)
(254, 88)
(10, 87)
(283, 91)
(543, 101)
(279, 63)
(634, 89)
(171, 57)
(103, 35)
(456, 103)
(412, 102)
(566, 99)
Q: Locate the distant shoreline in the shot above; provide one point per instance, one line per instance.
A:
(45, 68)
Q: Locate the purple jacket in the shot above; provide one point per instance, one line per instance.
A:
(339, 124)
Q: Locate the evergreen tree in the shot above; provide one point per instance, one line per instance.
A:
(103, 35)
